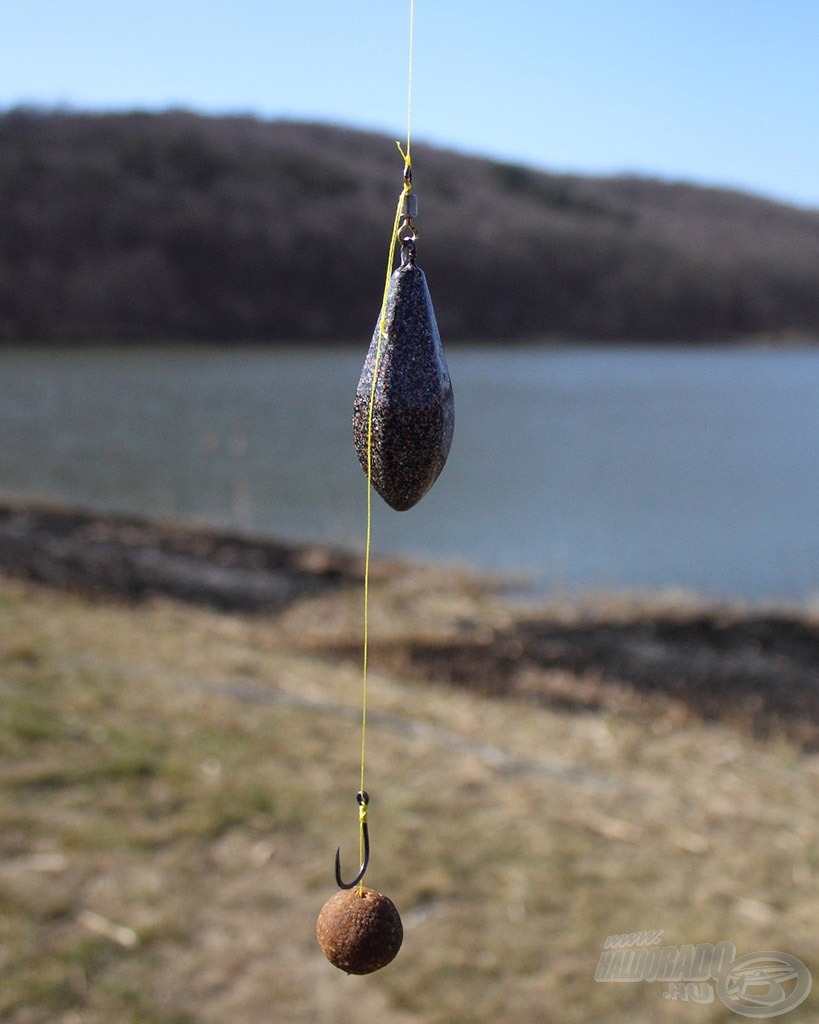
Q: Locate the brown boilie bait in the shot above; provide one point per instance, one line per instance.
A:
(359, 930)
(413, 412)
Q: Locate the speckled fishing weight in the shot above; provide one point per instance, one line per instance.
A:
(413, 411)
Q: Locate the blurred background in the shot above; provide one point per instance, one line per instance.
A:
(619, 224)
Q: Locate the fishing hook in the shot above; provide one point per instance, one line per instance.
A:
(363, 799)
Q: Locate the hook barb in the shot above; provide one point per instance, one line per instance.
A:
(363, 799)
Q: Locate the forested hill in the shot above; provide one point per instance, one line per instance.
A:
(175, 226)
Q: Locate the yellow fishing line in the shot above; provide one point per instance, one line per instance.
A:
(382, 327)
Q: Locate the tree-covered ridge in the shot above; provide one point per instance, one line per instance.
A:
(176, 226)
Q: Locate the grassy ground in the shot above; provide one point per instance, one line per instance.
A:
(175, 782)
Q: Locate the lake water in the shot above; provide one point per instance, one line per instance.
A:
(585, 468)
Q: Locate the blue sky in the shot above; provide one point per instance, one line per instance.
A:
(712, 91)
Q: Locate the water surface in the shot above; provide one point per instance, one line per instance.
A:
(586, 468)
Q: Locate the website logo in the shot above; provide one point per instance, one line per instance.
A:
(765, 984)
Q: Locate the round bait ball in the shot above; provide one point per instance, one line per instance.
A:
(359, 930)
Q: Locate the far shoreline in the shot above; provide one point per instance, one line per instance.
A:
(786, 340)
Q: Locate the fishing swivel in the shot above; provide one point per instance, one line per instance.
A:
(363, 799)
(407, 233)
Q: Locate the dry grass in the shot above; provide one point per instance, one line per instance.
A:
(175, 781)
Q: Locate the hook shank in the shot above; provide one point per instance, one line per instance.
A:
(363, 799)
